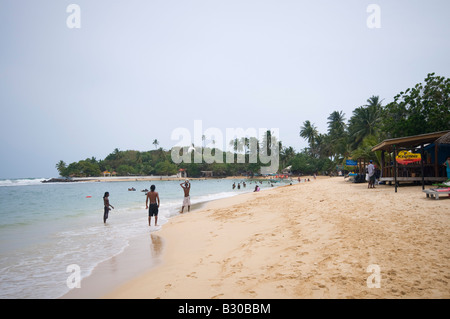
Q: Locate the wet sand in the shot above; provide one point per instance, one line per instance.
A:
(142, 254)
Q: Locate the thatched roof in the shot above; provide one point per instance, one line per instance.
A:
(444, 139)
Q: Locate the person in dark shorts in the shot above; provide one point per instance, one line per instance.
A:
(153, 198)
(107, 206)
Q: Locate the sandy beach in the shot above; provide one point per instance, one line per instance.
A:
(327, 238)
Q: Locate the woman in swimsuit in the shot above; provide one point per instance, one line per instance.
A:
(107, 206)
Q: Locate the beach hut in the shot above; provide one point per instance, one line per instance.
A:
(424, 146)
(182, 173)
(287, 170)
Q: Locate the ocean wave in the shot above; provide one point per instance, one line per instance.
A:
(21, 181)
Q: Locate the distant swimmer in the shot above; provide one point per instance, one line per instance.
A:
(187, 199)
(107, 206)
(153, 197)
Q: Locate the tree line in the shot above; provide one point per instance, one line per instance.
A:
(159, 161)
(425, 108)
(422, 109)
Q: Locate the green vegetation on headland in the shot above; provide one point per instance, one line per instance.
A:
(422, 109)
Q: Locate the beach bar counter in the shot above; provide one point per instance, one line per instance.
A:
(433, 149)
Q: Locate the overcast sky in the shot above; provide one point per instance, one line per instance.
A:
(136, 70)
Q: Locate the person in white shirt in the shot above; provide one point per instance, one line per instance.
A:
(371, 172)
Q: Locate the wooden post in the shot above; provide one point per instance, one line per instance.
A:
(395, 168)
(421, 166)
(436, 162)
(391, 164)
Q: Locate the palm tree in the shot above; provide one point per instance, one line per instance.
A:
(61, 166)
(309, 132)
(336, 134)
(323, 146)
(286, 155)
(156, 143)
(253, 149)
(269, 143)
(115, 155)
(237, 144)
(374, 101)
(365, 121)
(336, 124)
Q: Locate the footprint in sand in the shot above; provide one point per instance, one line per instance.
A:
(252, 292)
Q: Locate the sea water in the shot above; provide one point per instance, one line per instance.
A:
(45, 227)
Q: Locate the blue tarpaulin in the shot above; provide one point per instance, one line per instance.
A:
(443, 152)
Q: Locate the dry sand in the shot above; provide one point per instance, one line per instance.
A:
(310, 240)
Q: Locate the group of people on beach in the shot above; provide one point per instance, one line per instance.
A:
(152, 198)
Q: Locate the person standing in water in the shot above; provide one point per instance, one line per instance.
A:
(153, 197)
(107, 206)
(187, 199)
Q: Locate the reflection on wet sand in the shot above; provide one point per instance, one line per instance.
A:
(156, 245)
(136, 259)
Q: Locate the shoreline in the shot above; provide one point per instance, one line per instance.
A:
(145, 253)
(148, 178)
(142, 254)
(308, 240)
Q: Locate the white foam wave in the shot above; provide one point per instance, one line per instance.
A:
(21, 182)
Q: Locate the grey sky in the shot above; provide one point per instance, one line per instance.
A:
(136, 70)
